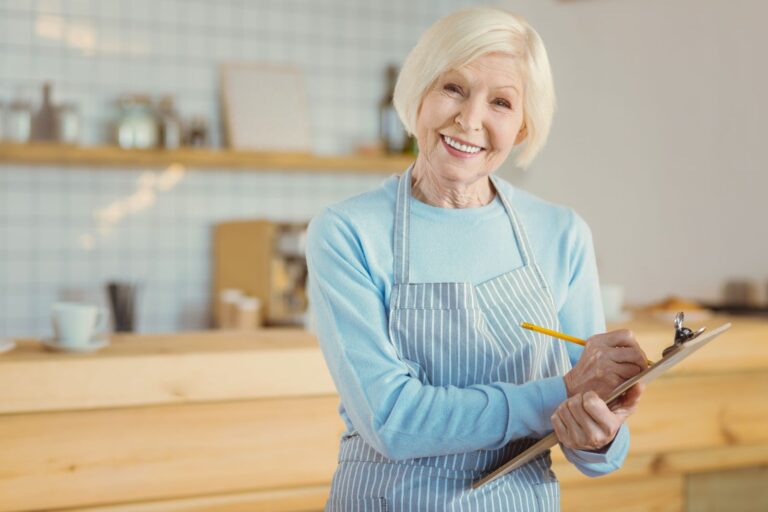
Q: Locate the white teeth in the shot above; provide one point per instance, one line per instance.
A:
(461, 147)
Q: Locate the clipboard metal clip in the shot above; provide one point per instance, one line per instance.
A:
(682, 334)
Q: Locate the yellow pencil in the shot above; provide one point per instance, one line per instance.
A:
(561, 336)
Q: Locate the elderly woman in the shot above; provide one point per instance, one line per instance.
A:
(419, 287)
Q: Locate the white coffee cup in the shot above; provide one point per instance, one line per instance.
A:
(613, 301)
(74, 323)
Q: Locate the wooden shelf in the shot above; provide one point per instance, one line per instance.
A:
(107, 156)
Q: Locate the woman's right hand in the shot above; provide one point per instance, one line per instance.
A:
(608, 360)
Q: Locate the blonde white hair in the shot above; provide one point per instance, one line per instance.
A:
(457, 39)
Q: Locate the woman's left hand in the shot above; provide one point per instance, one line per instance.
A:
(585, 422)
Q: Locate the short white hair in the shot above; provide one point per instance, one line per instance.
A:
(457, 39)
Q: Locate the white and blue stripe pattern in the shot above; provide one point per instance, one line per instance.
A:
(459, 334)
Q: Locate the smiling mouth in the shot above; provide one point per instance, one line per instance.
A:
(459, 146)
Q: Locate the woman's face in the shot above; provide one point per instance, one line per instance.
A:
(478, 106)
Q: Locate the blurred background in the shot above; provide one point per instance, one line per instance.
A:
(160, 160)
(655, 141)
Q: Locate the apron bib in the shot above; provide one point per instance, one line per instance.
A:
(459, 334)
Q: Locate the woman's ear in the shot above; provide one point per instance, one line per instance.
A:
(522, 134)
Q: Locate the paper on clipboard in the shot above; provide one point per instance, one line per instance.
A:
(646, 376)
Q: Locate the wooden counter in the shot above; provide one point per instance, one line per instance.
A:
(141, 370)
(225, 421)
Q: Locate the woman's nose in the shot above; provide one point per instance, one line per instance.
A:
(470, 117)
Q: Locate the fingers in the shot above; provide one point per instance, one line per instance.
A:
(561, 430)
(604, 346)
(591, 423)
(625, 371)
(627, 403)
(565, 427)
(630, 397)
(620, 338)
(627, 355)
(584, 422)
(608, 361)
(577, 429)
(600, 414)
(573, 415)
(633, 394)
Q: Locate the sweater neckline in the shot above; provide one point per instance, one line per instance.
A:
(472, 214)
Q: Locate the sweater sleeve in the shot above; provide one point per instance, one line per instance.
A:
(396, 413)
(582, 316)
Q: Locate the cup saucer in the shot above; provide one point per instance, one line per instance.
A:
(6, 345)
(95, 343)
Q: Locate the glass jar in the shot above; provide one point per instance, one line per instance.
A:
(2, 120)
(18, 121)
(137, 126)
(68, 123)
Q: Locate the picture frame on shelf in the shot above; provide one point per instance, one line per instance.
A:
(265, 107)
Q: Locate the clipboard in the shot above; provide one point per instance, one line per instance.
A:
(649, 374)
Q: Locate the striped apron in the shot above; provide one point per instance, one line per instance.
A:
(459, 334)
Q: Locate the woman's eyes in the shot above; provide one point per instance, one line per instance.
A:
(452, 87)
(498, 101)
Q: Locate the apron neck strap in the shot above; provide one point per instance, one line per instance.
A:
(517, 227)
(402, 227)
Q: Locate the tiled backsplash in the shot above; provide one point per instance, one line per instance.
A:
(66, 231)
(96, 50)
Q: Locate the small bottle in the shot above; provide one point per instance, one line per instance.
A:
(391, 130)
(170, 124)
(44, 125)
(197, 136)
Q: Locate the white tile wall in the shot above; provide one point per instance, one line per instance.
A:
(52, 244)
(48, 213)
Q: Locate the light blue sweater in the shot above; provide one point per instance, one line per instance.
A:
(350, 253)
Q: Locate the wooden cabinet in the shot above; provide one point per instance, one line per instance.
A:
(264, 259)
(197, 421)
(736, 490)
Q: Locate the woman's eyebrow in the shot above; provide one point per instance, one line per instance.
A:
(468, 79)
(511, 86)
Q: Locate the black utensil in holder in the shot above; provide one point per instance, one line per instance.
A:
(122, 300)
